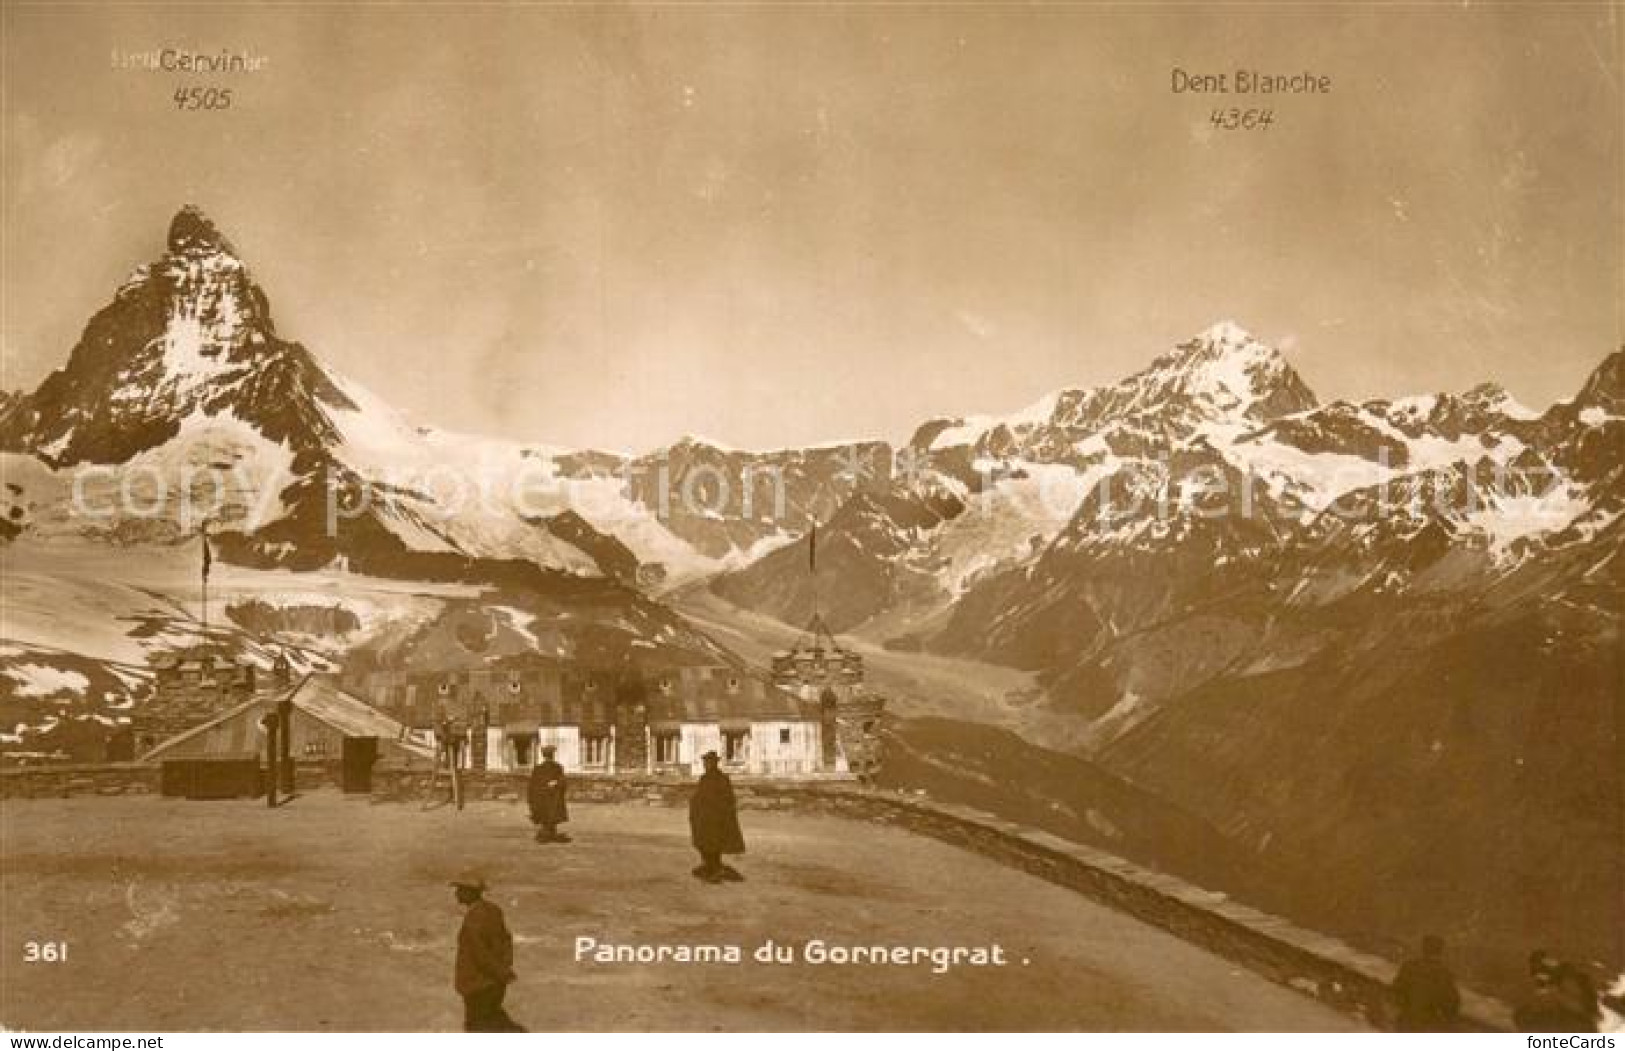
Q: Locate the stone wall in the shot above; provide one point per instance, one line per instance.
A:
(1320, 966)
(394, 784)
(55, 782)
(120, 779)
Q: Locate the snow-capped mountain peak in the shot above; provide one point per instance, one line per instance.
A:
(1496, 399)
(1226, 332)
(193, 232)
(1221, 376)
(213, 311)
(183, 380)
(1224, 372)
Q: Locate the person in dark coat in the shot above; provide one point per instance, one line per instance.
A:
(1548, 1007)
(1425, 993)
(713, 823)
(1579, 994)
(484, 966)
(548, 809)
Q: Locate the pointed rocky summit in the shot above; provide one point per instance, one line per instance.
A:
(192, 231)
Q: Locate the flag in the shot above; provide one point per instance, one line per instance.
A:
(206, 557)
(812, 549)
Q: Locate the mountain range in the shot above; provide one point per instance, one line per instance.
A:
(1375, 645)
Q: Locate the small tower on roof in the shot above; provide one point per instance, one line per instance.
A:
(818, 668)
(189, 687)
(817, 662)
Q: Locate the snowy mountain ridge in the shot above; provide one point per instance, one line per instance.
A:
(183, 382)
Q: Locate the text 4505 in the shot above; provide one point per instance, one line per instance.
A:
(201, 98)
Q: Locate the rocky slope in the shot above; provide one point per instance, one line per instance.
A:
(182, 391)
(181, 405)
(1375, 644)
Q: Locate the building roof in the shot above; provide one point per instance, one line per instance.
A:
(520, 699)
(318, 697)
(720, 694)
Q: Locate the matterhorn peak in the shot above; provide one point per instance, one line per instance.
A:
(192, 231)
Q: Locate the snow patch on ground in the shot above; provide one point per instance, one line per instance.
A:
(42, 680)
(966, 432)
(1511, 518)
(1005, 520)
(118, 604)
(217, 468)
(475, 493)
(604, 503)
(519, 621)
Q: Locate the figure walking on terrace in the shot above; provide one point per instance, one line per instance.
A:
(548, 808)
(484, 966)
(713, 822)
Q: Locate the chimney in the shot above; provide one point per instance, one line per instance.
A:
(281, 672)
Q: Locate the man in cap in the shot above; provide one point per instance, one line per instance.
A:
(548, 809)
(484, 960)
(713, 823)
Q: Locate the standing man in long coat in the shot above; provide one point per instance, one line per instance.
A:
(548, 809)
(713, 823)
(484, 966)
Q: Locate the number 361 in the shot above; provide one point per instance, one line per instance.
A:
(45, 952)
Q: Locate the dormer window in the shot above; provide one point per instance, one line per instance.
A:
(444, 688)
(665, 685)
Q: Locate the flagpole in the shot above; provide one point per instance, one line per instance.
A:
(204, 532)
(812, 569)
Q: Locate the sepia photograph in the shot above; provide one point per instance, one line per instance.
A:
(744, 517)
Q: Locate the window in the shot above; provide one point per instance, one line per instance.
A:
(522, 750)
(315, 749)
(595, 750)
(784, 735)
(668, 748)
(735, 746)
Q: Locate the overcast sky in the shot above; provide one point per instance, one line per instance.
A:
(611, 227)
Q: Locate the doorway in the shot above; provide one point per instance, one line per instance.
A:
(360, 753)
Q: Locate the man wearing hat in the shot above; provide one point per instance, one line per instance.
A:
(713, 823)
(484, 960)
(546, 795)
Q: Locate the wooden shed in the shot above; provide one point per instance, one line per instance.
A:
(330, 728)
